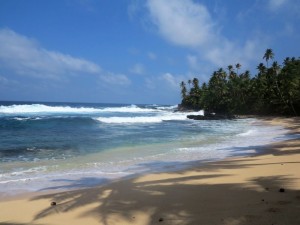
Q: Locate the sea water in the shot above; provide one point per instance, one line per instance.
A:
(61, 146)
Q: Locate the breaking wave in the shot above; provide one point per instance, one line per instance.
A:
(144, 119)
(45, 109)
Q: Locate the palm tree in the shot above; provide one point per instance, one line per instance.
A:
(286, 60)
(183, 90)
(247, 74)
(276, 67)
(289, 81)
(230, 67)
(261, 67)
(276, 70)
(189, 82)
(196, 83)
(237, 66)
(268, 55)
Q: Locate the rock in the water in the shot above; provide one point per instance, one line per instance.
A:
(211, 116)
(281, 190)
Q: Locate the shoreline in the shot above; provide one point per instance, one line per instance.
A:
(235, 190)
(94, 169)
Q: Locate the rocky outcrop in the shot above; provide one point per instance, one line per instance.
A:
(212, 117)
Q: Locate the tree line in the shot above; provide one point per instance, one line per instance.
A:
(274, 90)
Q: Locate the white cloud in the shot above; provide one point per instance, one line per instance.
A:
(165, 80)
(193, 62)
(138, 69)
(170, 79)
(115, 79)
(25, 57)
(276, 4)
(182, 22)
(133, 8)
(289, 9)
(152, 55)
(231, 53)
(173, 81)
(150, 83)
(189, 24)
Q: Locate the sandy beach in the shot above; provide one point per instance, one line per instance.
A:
(263, 188)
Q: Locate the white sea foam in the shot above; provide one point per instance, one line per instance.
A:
(26, 118)
(173, 107)
(129, 109)
(40, 108)
(247, 133)
(144, 119)
(20, 118)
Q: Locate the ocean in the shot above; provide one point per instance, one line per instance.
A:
(63, 146)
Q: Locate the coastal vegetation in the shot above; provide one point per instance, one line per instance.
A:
(274, 90)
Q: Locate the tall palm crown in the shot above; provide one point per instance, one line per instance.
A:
(261, 68)
(268, 55)
(238, 66)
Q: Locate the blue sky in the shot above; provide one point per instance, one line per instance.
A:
(134, 51)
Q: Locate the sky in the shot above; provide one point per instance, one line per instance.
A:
(134, 51)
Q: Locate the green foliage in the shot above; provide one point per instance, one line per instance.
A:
(273, 90)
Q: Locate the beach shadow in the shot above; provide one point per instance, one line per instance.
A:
(293, 123)
(283, 147)
(183, 200)
(287, 147)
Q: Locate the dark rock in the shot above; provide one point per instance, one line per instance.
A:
(212, 116)
(160, 220)
(182, 108)
(53, 203)
(281, 190)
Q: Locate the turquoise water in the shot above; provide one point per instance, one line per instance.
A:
(48, 146)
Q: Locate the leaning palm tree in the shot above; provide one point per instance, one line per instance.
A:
(269, 54)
